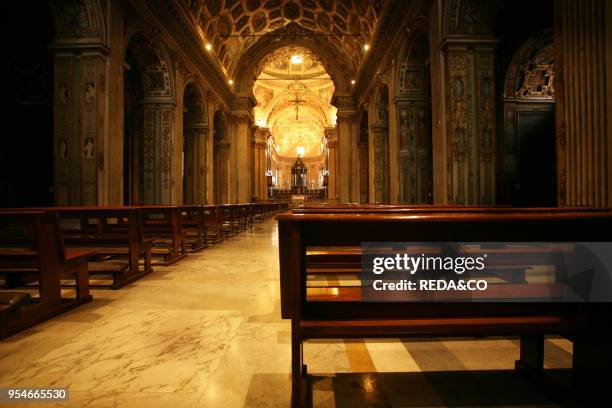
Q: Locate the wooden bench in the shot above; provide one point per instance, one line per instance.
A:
(194, 227)
(162, 225)
(114, 235)
(243, 216)
(259, 212)
(231, 223)
(341, 313)
(32, 250)
(267, 209)
(213, 219)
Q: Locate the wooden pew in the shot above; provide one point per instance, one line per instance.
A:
(259, 212)
(251, 211)
(32, 248)
(114, 235)
(213, 219)
(242, 216)
(267, 209)
(231, 223)
(162, 225)
(194, 227)
(342, 314)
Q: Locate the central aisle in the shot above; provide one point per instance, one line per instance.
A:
(206, 332)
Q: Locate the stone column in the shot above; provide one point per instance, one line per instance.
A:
(584, 135)
(259, 145)
(157, 151)
(195, 139)
(438, 107)
(240, 167)
(332, 164)
(348, 163)
(240, 156)
(113, 159)
(380, 149)
(210, 146)
(470, 114)
(79, 127)
(222, 172)
(201, 136)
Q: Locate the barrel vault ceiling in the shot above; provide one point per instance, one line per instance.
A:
(231, 27)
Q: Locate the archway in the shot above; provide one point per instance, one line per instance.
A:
(380, 140)
(194, 146)
(527, 155)
(133, 186)
(293, 91)
(149, 123)
(221, 147)
(414, 112)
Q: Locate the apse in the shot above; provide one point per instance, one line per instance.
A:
(293, 93)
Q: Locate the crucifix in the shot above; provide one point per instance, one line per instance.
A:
(297, 89)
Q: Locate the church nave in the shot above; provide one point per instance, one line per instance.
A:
(207, 332)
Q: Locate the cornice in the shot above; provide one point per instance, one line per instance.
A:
(393, 18)
(469, 42)
(80, 48)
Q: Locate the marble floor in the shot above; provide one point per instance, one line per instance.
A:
(207, 332)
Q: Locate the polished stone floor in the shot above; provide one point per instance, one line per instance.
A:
(207, 332)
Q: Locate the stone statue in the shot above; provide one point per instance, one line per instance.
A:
(89, 148)
(90, 92)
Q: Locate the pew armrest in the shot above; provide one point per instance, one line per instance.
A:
(13, 300)
(74, 254)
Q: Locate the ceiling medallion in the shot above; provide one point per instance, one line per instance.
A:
(288, 53)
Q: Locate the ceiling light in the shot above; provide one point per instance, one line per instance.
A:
(352, 82)
(231, 82)
(208, 46)
(366, 47)
(296, 59)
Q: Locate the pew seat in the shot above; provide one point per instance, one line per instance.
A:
(33, 252)
(194, 227)
(438, 327)
(115, 237)
(213, 221)
(162, 226)
(323, 294)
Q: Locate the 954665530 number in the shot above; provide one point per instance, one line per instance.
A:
(42, 394)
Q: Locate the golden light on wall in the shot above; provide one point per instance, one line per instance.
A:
(293, 93)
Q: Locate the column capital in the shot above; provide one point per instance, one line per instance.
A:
(73, 48)
(242, 117)
(463, 43)
(162, 101)
(261, 134)
(379, 128)
(242, 108)
(344, 102)
(197, 128)
(331, 134)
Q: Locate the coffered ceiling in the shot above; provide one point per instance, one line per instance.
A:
(232, 26)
